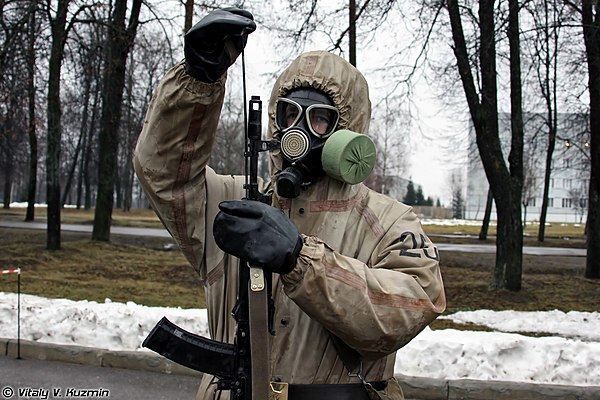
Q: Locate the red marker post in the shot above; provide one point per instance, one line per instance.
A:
(18, 272)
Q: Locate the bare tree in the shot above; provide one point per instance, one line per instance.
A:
(145, 67)
(31, 96)
(578, 199)
(14, 18)
(120, 41)
(505, 184)
(391, 130)
(228, 154)
(343, 26)
(530, 182)
(12, 133)
(60, 25)
(84, 97)
(87, 176)
(544, 51)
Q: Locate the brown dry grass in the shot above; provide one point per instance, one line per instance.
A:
(139, 269)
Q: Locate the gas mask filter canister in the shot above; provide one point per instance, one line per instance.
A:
(348, 156)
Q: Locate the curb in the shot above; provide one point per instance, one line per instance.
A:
(137, 360)
(472, 389)
(416, 388)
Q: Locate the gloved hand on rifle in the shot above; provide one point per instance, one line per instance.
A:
(216, 41)
(258, 233)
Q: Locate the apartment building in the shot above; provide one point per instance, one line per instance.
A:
(568, 189)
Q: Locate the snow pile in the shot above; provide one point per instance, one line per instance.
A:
(569, 354)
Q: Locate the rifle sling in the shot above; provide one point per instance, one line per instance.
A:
(259, 337)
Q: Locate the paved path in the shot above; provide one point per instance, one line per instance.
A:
(531, 250)
(117, 230)
(468, 248)
(65, 380)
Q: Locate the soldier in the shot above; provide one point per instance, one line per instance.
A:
(353, 270)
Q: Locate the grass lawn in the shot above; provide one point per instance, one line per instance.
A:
(142, 270)
(86, 269)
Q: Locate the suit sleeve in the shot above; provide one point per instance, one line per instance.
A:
(377, 308)
(172, 153)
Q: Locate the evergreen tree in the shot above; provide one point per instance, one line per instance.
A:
(457, 204)
(410, 197)
(420, 199)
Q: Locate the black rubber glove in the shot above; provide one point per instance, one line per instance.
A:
(258, 233)
(216, 41)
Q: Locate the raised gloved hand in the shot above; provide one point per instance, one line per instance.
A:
(216, 41)
(259, 234)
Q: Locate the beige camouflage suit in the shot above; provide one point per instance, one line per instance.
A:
(367, 272)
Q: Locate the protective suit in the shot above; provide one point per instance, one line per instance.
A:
(367, 273)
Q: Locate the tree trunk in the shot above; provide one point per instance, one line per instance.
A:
(118, 190)
(591, 34)
(485, 225)
(58, 25)
(131, 133)
(8, 184)
(120, 41)
(87, 181)
(515, 158)
(189, 14)
(547, 175)
(352, 33)
(509, 251)
(33, 147)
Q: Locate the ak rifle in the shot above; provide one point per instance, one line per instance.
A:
(241, 367)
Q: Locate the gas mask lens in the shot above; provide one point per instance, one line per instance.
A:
(321, 119)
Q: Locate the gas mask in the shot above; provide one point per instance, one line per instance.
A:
(305, 118)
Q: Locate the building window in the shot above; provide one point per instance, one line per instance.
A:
(567, 183)
(531, 201)
(552, 182)
(551, 202)
(567, 163)
(566, 203)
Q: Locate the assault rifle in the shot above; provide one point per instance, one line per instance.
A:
(241, 367)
